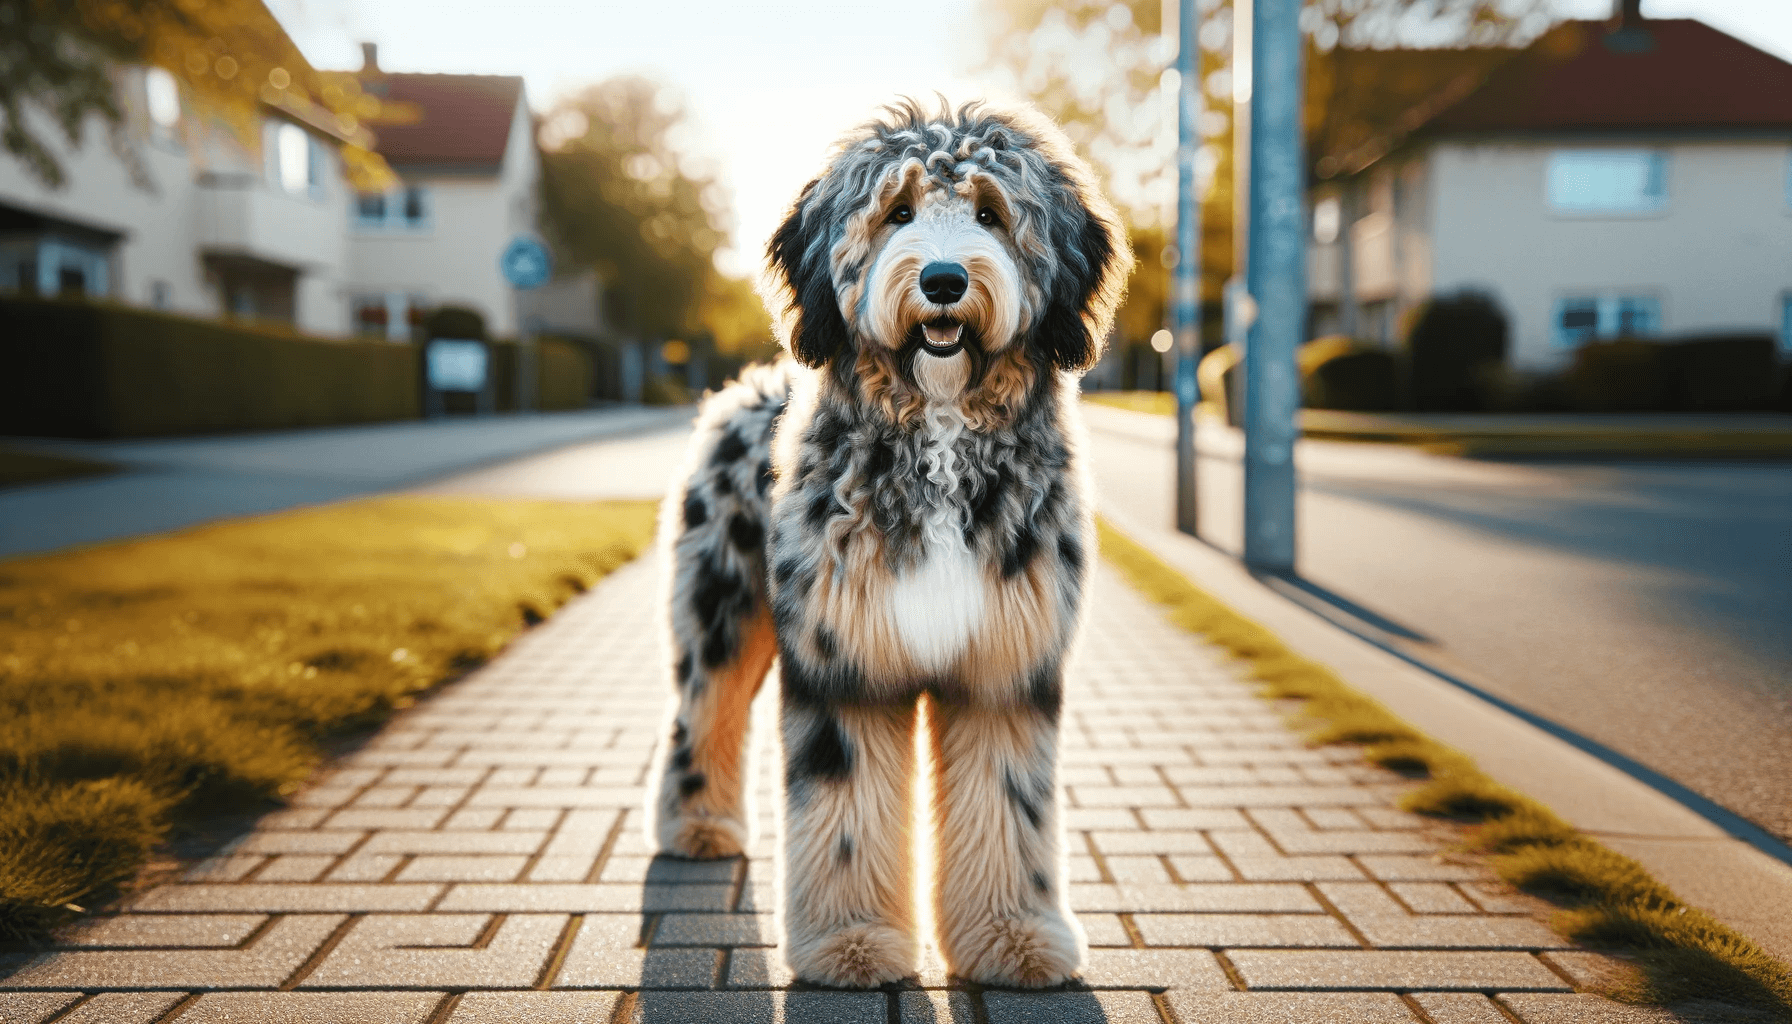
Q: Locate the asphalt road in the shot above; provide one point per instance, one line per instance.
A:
(1645, 605)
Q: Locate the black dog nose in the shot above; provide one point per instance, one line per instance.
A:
(944, 283)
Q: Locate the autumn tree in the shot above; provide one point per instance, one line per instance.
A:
(57, 59)
(621, 194)
(1099, 68)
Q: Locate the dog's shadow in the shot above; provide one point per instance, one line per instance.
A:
(710, 956)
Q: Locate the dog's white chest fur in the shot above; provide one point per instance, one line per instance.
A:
(938, 604)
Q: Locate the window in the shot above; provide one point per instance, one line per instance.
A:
(406, 208)
(292, 155)
(1583, 318)
(1327, 220)
(1786, 324)
(1608, 180)
(392, 316)
(162, 96)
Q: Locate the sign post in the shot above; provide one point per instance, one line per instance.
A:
(1277, 284)
(526, 265)
(1185, 291)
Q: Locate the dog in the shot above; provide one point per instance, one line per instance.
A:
(899, 512)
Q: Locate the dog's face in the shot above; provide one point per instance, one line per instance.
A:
(938, 246)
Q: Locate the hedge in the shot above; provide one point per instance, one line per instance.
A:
(1455, 341)
(1710, 373)
(85, 369)
(1337, 372)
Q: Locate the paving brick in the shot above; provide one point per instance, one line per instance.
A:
(1595, 971)
(534, 1008)
(1377, 969)
(196, 930)
(1289, 1008)
(1333, 818)
(935, 1008)
(223, 869)
(323, 796)
(316, 897)
(433, 776)
(418, 818)
(1418, 869)
(1214, 897)
(313, 1008)
(1310, 931)
(531, 819)
(1151, 842)
(366, 867)
(1067, 1008)
(604, 954)
(295, 867)
(1432, 898)
(1200, 869)
(1458, 932)
(758, 968)
(581, 899)
(760, 1008)
(1577, 1009)
(293, 818)
(1390, 818)
(384, 796)
(1104, 930)
(439, 796)
(562, 869)
(1295, 869)
(1499, 898)
(716, 930)
(391, 951)
(462, 869)
(474, 819)
(523, 843)
(555, 796)
(1124, 796)
(1459, 1008)
(120, 1008)
(1194, 818)
(1155, 968)
(263, 965)
(33, 1007)
(296, 842)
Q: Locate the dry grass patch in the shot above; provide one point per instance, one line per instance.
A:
(1607, 900)
(200, 671)
(1161, 403)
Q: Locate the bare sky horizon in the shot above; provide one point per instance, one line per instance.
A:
(768, 86)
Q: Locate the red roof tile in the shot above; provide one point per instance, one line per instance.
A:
(1578, 77)
(464, 124)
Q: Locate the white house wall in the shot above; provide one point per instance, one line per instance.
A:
(472, 217)
(1717, 257)
(157, 225)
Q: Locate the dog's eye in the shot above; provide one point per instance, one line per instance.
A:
(988, 218)
(902, 214)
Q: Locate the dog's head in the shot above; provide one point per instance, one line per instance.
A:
(935, 247)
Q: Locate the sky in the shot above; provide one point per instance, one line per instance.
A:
(768, 86)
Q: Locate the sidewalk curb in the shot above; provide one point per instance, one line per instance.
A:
(1738, 884)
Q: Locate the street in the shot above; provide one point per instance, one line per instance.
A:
(1644, 605)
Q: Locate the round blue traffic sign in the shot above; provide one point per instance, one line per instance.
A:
(525, 263)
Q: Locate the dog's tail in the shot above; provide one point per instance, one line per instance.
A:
(713, 529)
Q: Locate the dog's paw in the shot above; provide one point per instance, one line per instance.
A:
(859, 956)
(702, 838)
(1036, 951)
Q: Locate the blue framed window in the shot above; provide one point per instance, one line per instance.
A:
(1583, 318)
(405, 208)
(1608, 181)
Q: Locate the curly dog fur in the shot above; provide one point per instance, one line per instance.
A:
(900, 511)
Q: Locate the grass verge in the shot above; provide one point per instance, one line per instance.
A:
(1162, 403)
(1607, 900)
(18, 467)
(201, 671)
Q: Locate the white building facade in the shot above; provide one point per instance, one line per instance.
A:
(1619, 215)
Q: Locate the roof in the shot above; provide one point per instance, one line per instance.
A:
(1676, 74)
(1357, 99)
(461, 122)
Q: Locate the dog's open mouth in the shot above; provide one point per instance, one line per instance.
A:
(942, 335)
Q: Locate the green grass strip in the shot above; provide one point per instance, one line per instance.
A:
(178, 676)
(1606, 899)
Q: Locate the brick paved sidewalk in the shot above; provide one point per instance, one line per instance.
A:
(481, 861)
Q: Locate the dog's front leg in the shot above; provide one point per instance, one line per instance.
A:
(1000, 888)
(848, 899)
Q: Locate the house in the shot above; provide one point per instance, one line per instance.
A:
(222, 225)
(1630, 177)
(464, 149)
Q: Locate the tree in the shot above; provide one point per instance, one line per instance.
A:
(1098, 67)
(57, 57)
(619, 196)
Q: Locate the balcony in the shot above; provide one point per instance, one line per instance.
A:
(239, 215)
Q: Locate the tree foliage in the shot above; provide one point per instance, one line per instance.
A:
(620, 196)
(1098, 67)
(58, 57)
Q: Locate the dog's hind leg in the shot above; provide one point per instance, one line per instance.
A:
(999, 891)
(701, 810)
(848, 896)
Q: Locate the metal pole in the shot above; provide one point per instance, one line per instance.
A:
(1277, 281)
(1239, 311)
(1185, 316)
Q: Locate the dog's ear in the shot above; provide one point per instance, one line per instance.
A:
(1094, 262)
(800, 284)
